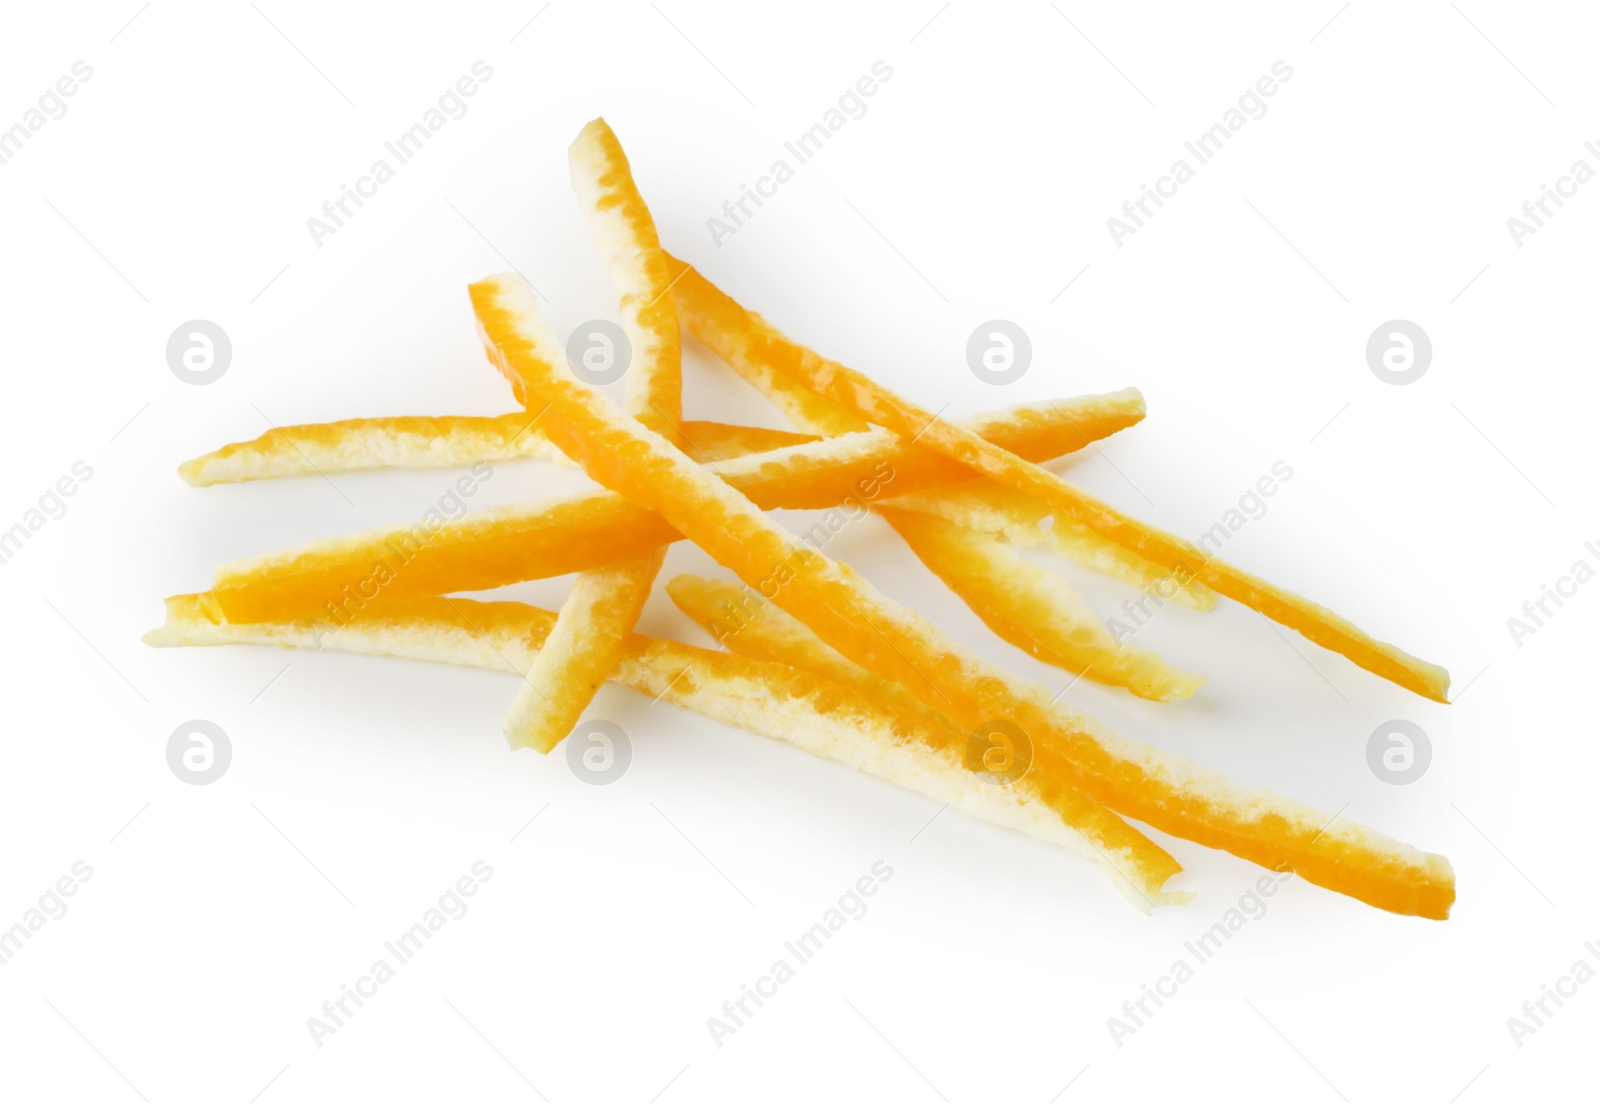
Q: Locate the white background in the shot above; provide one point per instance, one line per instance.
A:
(978, 185)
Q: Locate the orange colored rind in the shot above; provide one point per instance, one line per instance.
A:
(876, 404)
(1034, 610)
(438, 554)
(748, 625)
(819, 715)
(604, 604)
(990, 508)
(426, 442)
(1031, 609)
(402, 441)
(1167, 792)
(867, 628)
(625, 236)
(708, 314)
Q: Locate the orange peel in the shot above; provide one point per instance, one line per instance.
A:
(482, 550)
(599, 612)
(424, 442)
(1034, 610)
(744, 622)
(709, 315)
(848, 614)
(724, 609)
(625, 236)
(990, 508)
(401, 441)
(876, 404)
(819, 715)
(1168, 792)
(604, 604)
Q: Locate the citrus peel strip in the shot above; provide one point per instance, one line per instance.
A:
(1034, 610)
(816, 714)
(990, 508)
(878, 405)
(425, 442)
(481, 550)
(756, 629)
(877, 634)
(705, 313)
(604, 604)
(1168, 792)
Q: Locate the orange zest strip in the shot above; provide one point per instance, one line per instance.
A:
(708, 315)
(980, 504)
(604, 603)
(625, 235)
(1168, 792)
(599, 612)
(747, 624)
(877, 634)
(821, 716)
(422, 442)
(871, 401)
(990, 508)
(742, 621)
(1034, 610)
(437, 554)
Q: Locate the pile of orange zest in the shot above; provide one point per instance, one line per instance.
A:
(1165, 791)
(879, 635)
(816, 714)
(869, 400)
(1034, 610)
(979, 504)
(437, 555)
(430, 441)
(989, 508)
(604, 603)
